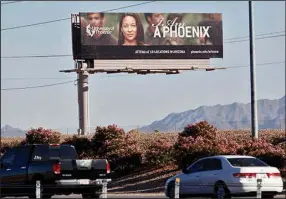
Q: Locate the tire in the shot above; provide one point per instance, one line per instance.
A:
(96, 194)
(91, 195)
(33, 194)
(268, 196)
(171, 189)
(221, 191)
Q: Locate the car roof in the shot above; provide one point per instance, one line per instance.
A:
(228, 156)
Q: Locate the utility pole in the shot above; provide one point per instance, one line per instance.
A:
(254, 123)
(83, 99)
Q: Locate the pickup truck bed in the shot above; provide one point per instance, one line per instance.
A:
(58, 169)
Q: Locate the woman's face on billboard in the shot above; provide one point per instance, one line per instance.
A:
(129, 28)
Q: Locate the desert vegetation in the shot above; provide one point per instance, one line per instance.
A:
(130, 151)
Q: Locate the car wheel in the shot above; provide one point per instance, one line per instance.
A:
(33, 194)
(171, 189)
(96, 194)
(221, 191)
(268, 196)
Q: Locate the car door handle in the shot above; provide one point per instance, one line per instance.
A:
(215, 174)
(8, 169)
(23, 167)
(197, 176)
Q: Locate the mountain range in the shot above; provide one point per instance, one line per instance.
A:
(9, 131)
(271, 115)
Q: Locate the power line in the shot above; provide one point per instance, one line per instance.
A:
(263, 64)
(35, 56)
(68, 18)
(35, 78)
(262, 34)
(69, 55)
(40, 86)
(273, 36)
(5, 3)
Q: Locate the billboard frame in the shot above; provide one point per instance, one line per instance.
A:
(86, 67)
(104, 54)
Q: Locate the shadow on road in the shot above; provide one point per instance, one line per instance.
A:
(143, 182)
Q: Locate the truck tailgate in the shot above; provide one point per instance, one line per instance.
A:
(84, 169)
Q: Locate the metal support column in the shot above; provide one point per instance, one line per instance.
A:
(83, 99)
(254, 123)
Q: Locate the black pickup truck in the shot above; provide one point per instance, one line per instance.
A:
(56, 167)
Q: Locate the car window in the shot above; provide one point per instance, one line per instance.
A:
(22, 155)
(68, 152)
(212, 165)
(197, 167)
(246, 162)
(8, 158)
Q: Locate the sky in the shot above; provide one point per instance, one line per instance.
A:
(125, 99)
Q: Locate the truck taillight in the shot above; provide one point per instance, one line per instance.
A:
(244, 175)
(107, 167)
(54, 145)
(57, 168)
(270, 175)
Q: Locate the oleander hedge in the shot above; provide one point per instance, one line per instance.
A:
(127, 151)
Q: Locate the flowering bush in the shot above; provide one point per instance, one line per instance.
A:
(190, 149)
(42, 136)
(82, 145)
(127, 151)
(103, 136)
(123, 153)
(160, 151)
(202, 129)
(273, 155)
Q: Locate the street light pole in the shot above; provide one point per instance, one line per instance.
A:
(254, 123)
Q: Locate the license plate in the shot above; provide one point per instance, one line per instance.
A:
(260, 176)
(83, 181)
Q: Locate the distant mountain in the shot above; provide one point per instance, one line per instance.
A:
(271, 115)
(9, 131)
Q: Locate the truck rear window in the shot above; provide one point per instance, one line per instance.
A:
(246, 162)
(64, 152)
(45, 152)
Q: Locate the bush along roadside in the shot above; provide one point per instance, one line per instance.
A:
(130, 151)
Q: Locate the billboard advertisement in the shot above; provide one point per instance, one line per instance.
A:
(150, 36)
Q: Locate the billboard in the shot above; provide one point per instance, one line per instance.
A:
(149, 36)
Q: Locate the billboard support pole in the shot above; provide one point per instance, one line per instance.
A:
(254, 123)
(83, 98)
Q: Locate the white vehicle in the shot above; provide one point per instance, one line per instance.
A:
(226, 176)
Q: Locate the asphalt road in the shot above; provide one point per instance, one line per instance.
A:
(140, 196)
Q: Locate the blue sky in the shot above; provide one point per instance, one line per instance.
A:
(130, 100)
